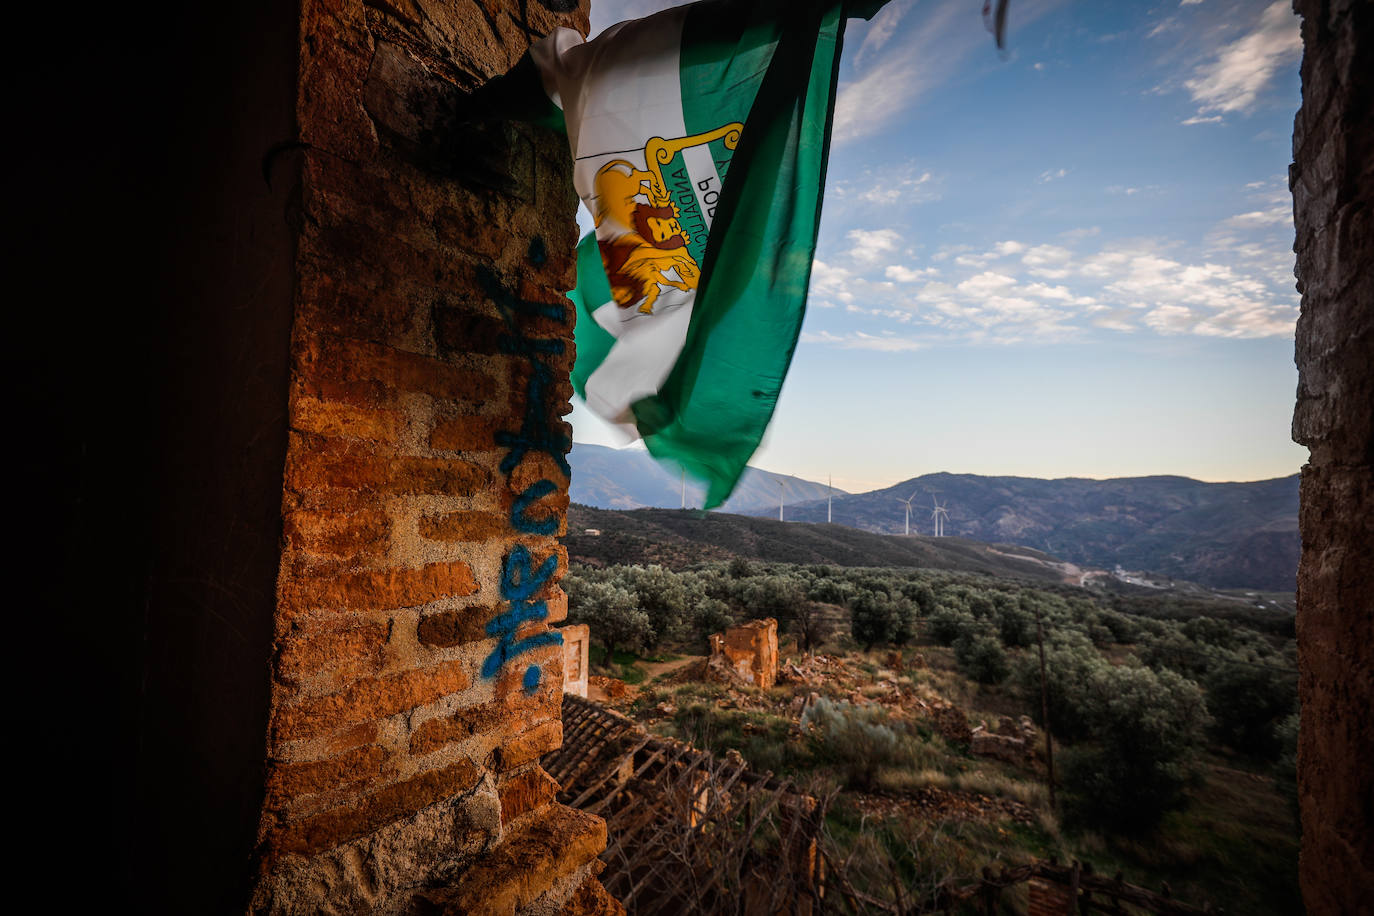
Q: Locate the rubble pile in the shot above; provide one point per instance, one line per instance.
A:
(1010, 741)
(746, 655)
(613, 687)
(938, 804)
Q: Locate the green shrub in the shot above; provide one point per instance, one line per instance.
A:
(879, 618)
(854, 738)
(981, 657)
(947, 625)
(1146, 729)
(1248, 703)
(614, 616)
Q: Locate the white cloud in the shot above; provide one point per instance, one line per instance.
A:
(1199, 119)
(901, 58)
(871, 244)
(901, 74)
(1232, 82)
(1164, 25)
(1043, 255)
(829, 281)
(1171, 319)
(1275, 216)
(882, 28)
(904, 183)
(1236, 283)
(1189, 2)
(904, 274)
(858, 340)
(1051, 175)
(985, 284)
(1044, 291)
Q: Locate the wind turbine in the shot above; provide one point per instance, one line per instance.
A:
(907, 501)
(684, 488)
(829, 495)
(782, 488)
(938, 515)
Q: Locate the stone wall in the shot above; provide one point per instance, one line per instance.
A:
(1332, 179)
(415, 678)
(576, 658)
(746, 654)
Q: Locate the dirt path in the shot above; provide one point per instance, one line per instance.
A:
(653, 669)
(1072, 573)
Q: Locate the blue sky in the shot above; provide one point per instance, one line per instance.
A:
(1070, 259)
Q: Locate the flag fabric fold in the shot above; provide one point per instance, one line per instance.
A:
(700, 137)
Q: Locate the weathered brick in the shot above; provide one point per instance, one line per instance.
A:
(468, 331)
(369, 698)
(331, 418)
(366, 304)
(529, 745)
(553, 506)
(356, 736)
(314, 464)
(327, 358)
(482, 330)
(465, 434)
(445, 629)
(471, 222)
(356, 648)
(442, 730)
(465, 526)
(341, 535)
(510, 682)
(365, 815)
(524, 792)
(289, 781)
(557, 395)
(536, 466)
(378, 589)
(484, 719)
(558, 605)
(438, 476)
(527, 864)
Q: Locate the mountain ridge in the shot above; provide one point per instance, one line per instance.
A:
(630, 478)
(1226, 534)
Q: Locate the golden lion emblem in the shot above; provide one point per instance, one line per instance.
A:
(639, 228)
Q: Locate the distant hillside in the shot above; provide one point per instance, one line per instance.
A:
(678, 538)
(629, 478)
(1226, 535)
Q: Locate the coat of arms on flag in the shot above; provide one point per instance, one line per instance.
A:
(699, 137)
(645, 233)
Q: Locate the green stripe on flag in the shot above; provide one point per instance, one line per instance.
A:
(712, 411)
(591, 339)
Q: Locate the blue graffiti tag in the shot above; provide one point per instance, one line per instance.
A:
(520, 581)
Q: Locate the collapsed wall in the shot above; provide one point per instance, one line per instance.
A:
(1332, 179)
(746, 654)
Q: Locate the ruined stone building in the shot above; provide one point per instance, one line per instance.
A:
(292, 356)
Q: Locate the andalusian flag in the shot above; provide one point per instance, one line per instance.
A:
(700, 136)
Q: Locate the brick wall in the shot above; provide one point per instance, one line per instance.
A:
(415, 678)
(1332, 178)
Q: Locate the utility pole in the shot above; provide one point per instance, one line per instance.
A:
(684, 488)
(1045, 706)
